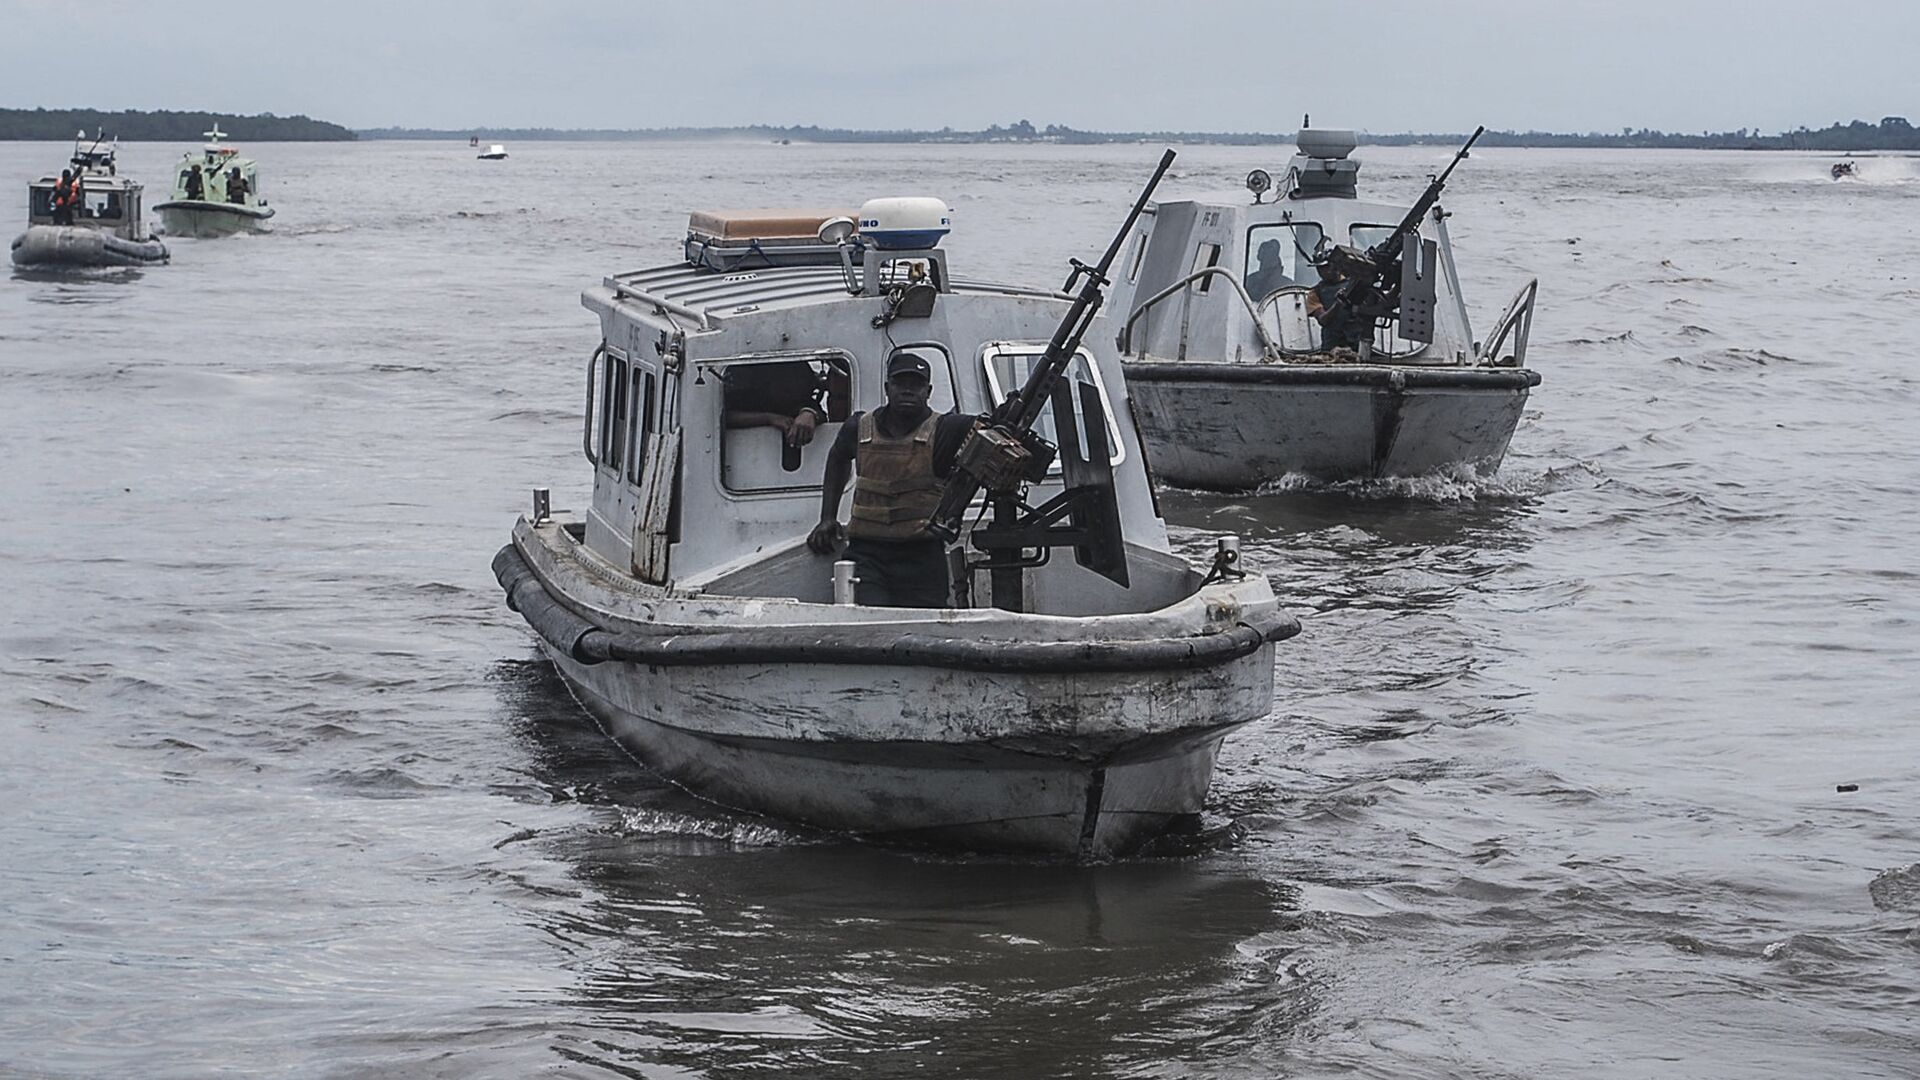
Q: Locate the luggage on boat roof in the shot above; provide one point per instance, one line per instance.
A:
(730, 240)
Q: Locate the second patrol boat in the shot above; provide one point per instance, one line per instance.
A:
(1314, 334)
(1071, 695)
(216, 192)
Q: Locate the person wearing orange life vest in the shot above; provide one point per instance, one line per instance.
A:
(904, 452)
(66, 197)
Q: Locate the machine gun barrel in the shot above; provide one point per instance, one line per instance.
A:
(1387, 251)
(1384, 256)
(1016, 415)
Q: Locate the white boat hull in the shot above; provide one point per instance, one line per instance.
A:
(1234, 426)
(1083, 760)
(211, 219)
(79, 246)
(970, 795)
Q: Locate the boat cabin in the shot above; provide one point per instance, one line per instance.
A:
(108, 201)
(217, 161)
(1229, 279)
(697, 487)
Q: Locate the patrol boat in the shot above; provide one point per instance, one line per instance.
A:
(219, 207)
(1071, 697)
(109, 227)
(1232, 380)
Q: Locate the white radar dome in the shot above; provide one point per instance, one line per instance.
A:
(905, 222)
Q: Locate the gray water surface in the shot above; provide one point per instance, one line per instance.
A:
(1549, 788)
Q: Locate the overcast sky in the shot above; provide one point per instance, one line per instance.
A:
(1201, 65)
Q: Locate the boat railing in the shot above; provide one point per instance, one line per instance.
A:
(1516, 323)
(1267, 346)
(586, 436)
(626, 290)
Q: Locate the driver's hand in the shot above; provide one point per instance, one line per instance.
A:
(800, 429)
(824, 536)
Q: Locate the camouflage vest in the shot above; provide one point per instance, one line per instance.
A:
(895, 492)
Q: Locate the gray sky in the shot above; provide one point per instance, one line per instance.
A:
(1212, 65)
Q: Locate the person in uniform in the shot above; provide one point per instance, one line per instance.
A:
(66, 197)
(236, 186)
(1341, 331)
(196, 187)
(903, 453)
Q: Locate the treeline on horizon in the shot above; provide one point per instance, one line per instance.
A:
(133, 125)
(1891, 133)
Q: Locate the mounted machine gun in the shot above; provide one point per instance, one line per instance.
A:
(1378, 282)
(1007, 454)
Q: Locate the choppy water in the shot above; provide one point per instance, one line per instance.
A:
(1550, 788)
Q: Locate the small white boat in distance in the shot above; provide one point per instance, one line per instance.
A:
(494, 152)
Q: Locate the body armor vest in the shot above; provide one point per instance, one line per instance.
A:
(895, 492)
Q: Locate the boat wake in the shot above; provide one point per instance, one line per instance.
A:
(1456, 484)
(644, 823)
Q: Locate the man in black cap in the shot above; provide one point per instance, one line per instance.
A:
(903, 452)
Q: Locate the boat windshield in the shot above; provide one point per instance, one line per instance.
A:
(1365, 236)
(1282, 255)
(1007, 366)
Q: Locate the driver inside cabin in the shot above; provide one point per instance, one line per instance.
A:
(1270, 274)
(795, 397)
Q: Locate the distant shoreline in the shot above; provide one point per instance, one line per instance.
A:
(1891, 133)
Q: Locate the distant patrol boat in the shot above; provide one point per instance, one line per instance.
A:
(109, 225)
(220, 207)
(1071, 696)
(1234, 383)
(494, 152)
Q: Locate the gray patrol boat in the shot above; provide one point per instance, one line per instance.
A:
(109, 225)
(1233, 384)
(1071, 696)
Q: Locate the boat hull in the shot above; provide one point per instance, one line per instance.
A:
(78, 246)
(931, 728)
(211, 219)
(965, 796)
(1235, 426)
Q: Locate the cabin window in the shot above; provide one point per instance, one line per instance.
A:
(642, 412)
(1007, 366)
(1206, 258)
(1365, 236)
(42, 202)
(1282, 255)
(104, 205)
(614, 405)
(759, 403)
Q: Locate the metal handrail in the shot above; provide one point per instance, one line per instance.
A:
(586, 436)
(1267, 346)
(1517, 323)
(622, 289)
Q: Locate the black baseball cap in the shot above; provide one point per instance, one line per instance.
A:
(902, 363)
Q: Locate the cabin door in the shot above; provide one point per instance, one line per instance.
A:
(655, 473)
(636, 457)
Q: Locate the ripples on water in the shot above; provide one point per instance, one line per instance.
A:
(1549, 788)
